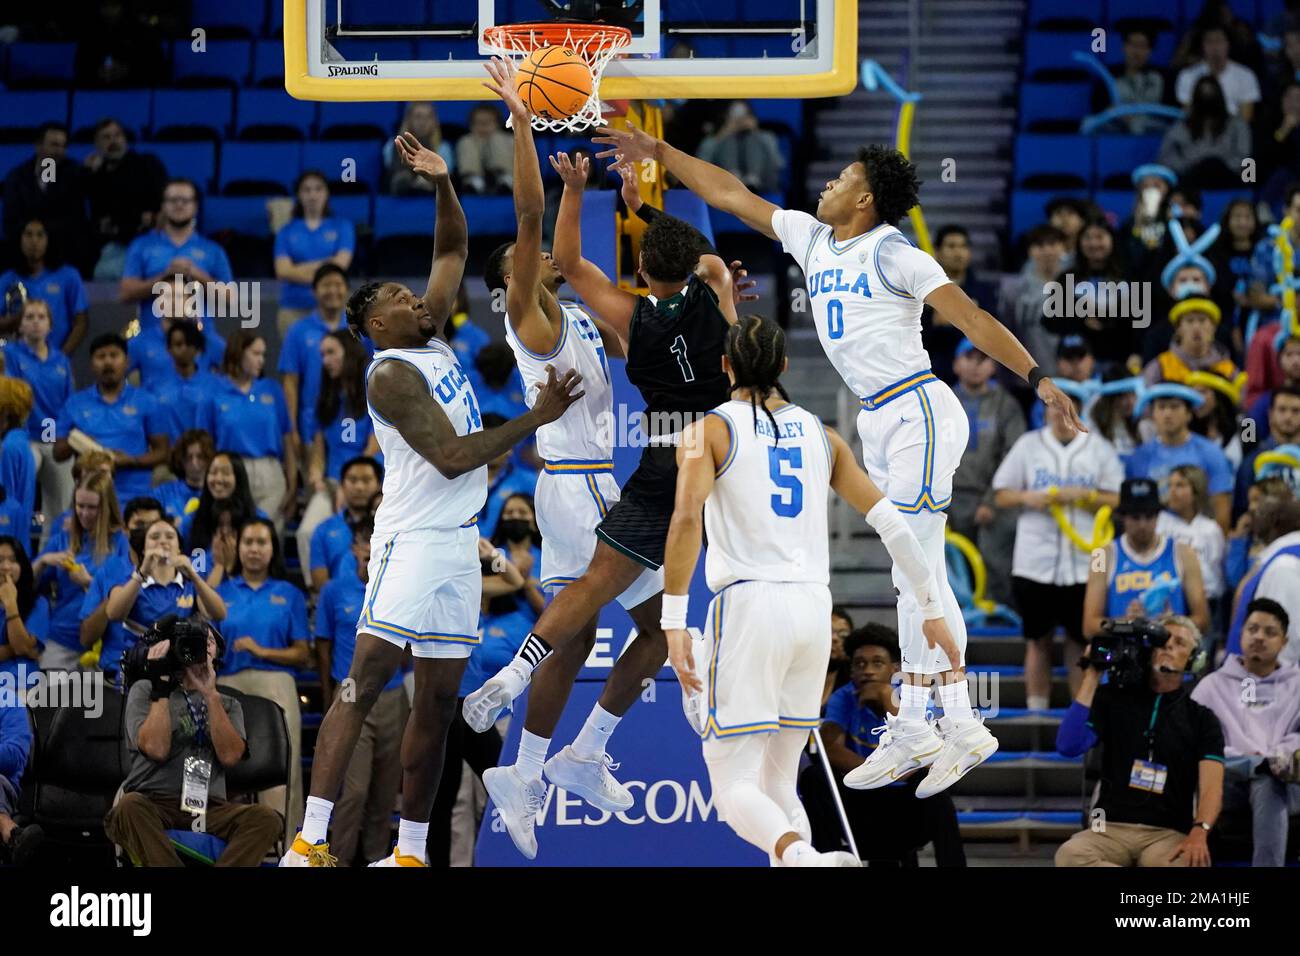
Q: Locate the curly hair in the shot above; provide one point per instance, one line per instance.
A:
(892, 180)
(359, 305)
(669, 249)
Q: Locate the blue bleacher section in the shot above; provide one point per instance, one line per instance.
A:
(176, 113)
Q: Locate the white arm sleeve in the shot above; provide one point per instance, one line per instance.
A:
(906, 553)
(905, 269)
(796, 231)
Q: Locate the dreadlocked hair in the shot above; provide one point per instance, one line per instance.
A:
(359, 307)
(756, 350)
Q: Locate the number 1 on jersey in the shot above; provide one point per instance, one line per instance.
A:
(679, 349)
(475, 420)
(776, 457)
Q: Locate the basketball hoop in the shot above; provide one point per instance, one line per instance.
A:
(596, 43)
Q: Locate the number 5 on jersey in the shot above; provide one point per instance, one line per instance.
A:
(791, 484)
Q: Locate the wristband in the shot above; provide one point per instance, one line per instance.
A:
(1034, 377)
(137, 577)
(672, 615)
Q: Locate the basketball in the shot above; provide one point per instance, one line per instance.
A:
(554, 81)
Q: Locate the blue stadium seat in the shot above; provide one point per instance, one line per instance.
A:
(1051, 160)
(598, 228)
(198, 161)
(1119, 202)
(41, 64)
(1027, 207)
(1048, 55)
(275, 22)
(455, 112)
(191, 114)
(268, 62)
(264, 164)
(24, 110)
(329, 156)
(222, 62)
(11, 154)
(245, 17)
(1161, 54)
(273, 114)
(357, 120)
(1058, 12)
(403, 216)
(439, 49)
(355, 208)
(1165, 12)
(787, 113)
(1269, 10)
(1053, 107)
(129, 107)
(724, 223)
(242, 214)
(490, 215)
(687, 206)
(1215, 201)
(1118, 155)
(709, 47)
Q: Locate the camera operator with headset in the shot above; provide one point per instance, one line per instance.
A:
(182, 735)
(1161, 750)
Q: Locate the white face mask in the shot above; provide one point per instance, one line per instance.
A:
(1189, 287)
(1151, 197)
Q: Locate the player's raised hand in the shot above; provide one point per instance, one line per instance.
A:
(419, 157)
(628, 146)
(502, 84)
(682, 660)
(573, 174)
(1052, 395)
(555, 397)
(937, 635)
(631, 188)
(742, 287)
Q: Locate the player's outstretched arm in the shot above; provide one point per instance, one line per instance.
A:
(713, 184)
(714, 271)
(606, 299)
(1094, 594)
(994, 339)
(450, 231)
(530, 204)
(704, 447)
(851, 483)
(400, 394)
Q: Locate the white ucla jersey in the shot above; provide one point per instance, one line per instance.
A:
(866, 296)
(584, 433)
(416, 495)
(766, 517)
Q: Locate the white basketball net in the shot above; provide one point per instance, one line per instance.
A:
(595, 44)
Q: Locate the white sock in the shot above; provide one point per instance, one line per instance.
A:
(595, 733)
(316, 820)
(532, 754)
(955, 701)
(795, 850)
(412, 839)
(1036, 703)
(912, 703)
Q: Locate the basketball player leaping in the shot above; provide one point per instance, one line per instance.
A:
(575, 491)
(867, 284)
(425, 575)
(675, 340)
(762, 484)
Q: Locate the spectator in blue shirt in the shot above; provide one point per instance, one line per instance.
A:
(58, 285)
(506, 478)
(17, 469)
(159, 357)
(465, 338)
(421, 121)
(116, 416)
(210, 530)
(163, 582)
(1175, 444)
(498, 388)
(27, 614)
(330, 549)
(889, 824)
(300, 356)
(185, 386)
(363, 815)
(65, 569)
(49, 373)
(190, 458)
(1283, 429)
(312, 238)
(17, 844)
(175, 248)
(342, 429)
(247, 414)
(266, 630)
(113, 636)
